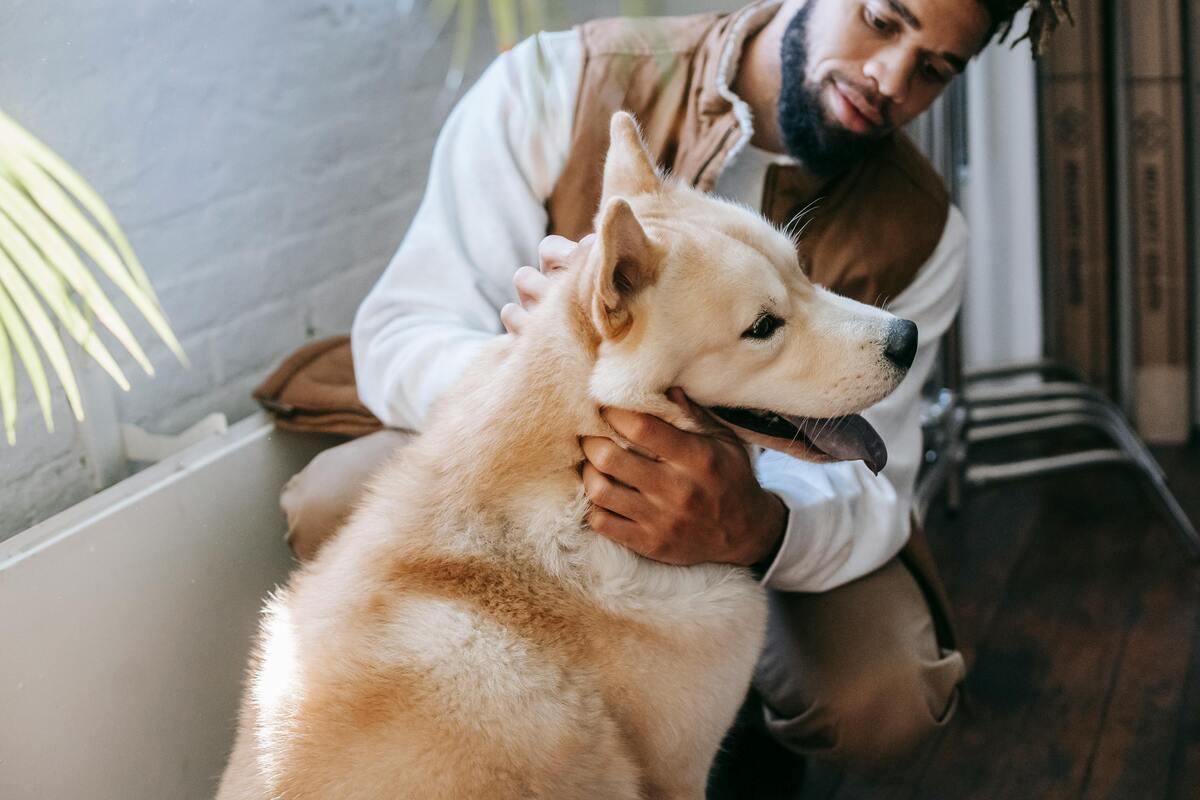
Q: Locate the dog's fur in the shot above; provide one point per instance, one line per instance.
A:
(465, 635)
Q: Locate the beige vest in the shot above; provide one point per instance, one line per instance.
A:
(874, 226)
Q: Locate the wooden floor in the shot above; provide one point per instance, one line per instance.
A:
(1080, 617)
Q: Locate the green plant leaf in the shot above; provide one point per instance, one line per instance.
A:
(533, 12)
(504, 22)
(46, 210)
(8, 385)
(23, 342)
(57, 206)
(62, 172)
(464, 34)
(30, 219)
(54, 292)
(47, 336)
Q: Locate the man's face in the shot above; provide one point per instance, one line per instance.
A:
(855, 70)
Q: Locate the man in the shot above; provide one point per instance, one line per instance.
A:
(777, 105)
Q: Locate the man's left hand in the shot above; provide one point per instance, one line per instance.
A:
(693, 499)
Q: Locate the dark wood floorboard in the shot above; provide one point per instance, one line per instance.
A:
(1081, 621)
(1183, 465)
(1184, 770)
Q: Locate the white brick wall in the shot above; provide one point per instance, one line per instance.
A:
(263, 157)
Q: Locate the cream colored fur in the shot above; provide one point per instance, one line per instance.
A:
(465, 635)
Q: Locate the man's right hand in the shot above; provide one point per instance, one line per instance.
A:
(532, 284)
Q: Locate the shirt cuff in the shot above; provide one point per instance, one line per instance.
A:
(814, 544)
(789, 555)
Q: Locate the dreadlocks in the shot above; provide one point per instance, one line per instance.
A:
(1044, 18)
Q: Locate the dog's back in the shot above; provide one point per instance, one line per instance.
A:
(442, 655)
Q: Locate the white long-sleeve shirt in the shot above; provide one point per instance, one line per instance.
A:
(496, 162)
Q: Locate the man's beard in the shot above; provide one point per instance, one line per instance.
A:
(825, 147)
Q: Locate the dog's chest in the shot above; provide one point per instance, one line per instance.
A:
(698, 609)
(677, 673)
(704, 610)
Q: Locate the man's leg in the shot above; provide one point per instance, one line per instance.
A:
(319, 498)
(856, 675)
(751, 764)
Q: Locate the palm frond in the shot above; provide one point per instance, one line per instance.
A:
(18, 333)
(70, 180)
(505, 23)
(8, 385)
(49, 216)
(534, 14)
(53, 291)
(21, 298)
(54, 201)
(464, 33)
(511, 20)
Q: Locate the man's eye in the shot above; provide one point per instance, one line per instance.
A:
(934, 74)
(875, 21)
(763, 327)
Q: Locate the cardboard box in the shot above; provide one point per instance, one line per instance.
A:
(1153, 81)
(1077, 240)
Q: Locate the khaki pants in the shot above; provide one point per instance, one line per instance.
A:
(855, 675)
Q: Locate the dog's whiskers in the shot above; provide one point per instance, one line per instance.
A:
(800, 217)
(795, 436)
(804, 227)
(825, 424)
(831, 422)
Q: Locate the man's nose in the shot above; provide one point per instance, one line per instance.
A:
(900, 347)
(892, 70)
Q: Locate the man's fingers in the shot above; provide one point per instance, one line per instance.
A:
(651, 434)
(531, 286)
(617, 528)
(553, 252)
(513, 317)
(616, 462)
(610, 495)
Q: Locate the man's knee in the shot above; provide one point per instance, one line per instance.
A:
(857, 675)
(885, 714)
(318, 499)
(872, 718)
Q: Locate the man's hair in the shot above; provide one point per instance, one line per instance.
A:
(1044, 17)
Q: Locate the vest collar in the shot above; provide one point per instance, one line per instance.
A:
(725, 122)
(717, 96)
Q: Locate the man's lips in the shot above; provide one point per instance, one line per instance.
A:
(854, 111)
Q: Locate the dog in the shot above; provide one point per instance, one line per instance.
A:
(465, 635)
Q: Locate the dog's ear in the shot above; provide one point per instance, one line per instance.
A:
(628, 167)
(626, 263)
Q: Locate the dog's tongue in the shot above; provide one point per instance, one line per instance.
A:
(848, 438)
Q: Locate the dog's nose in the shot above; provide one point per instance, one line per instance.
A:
(901, 345)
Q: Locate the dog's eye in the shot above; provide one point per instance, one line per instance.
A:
(763, 327)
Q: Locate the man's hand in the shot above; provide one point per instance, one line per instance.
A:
(694, 500)
(532, 284)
